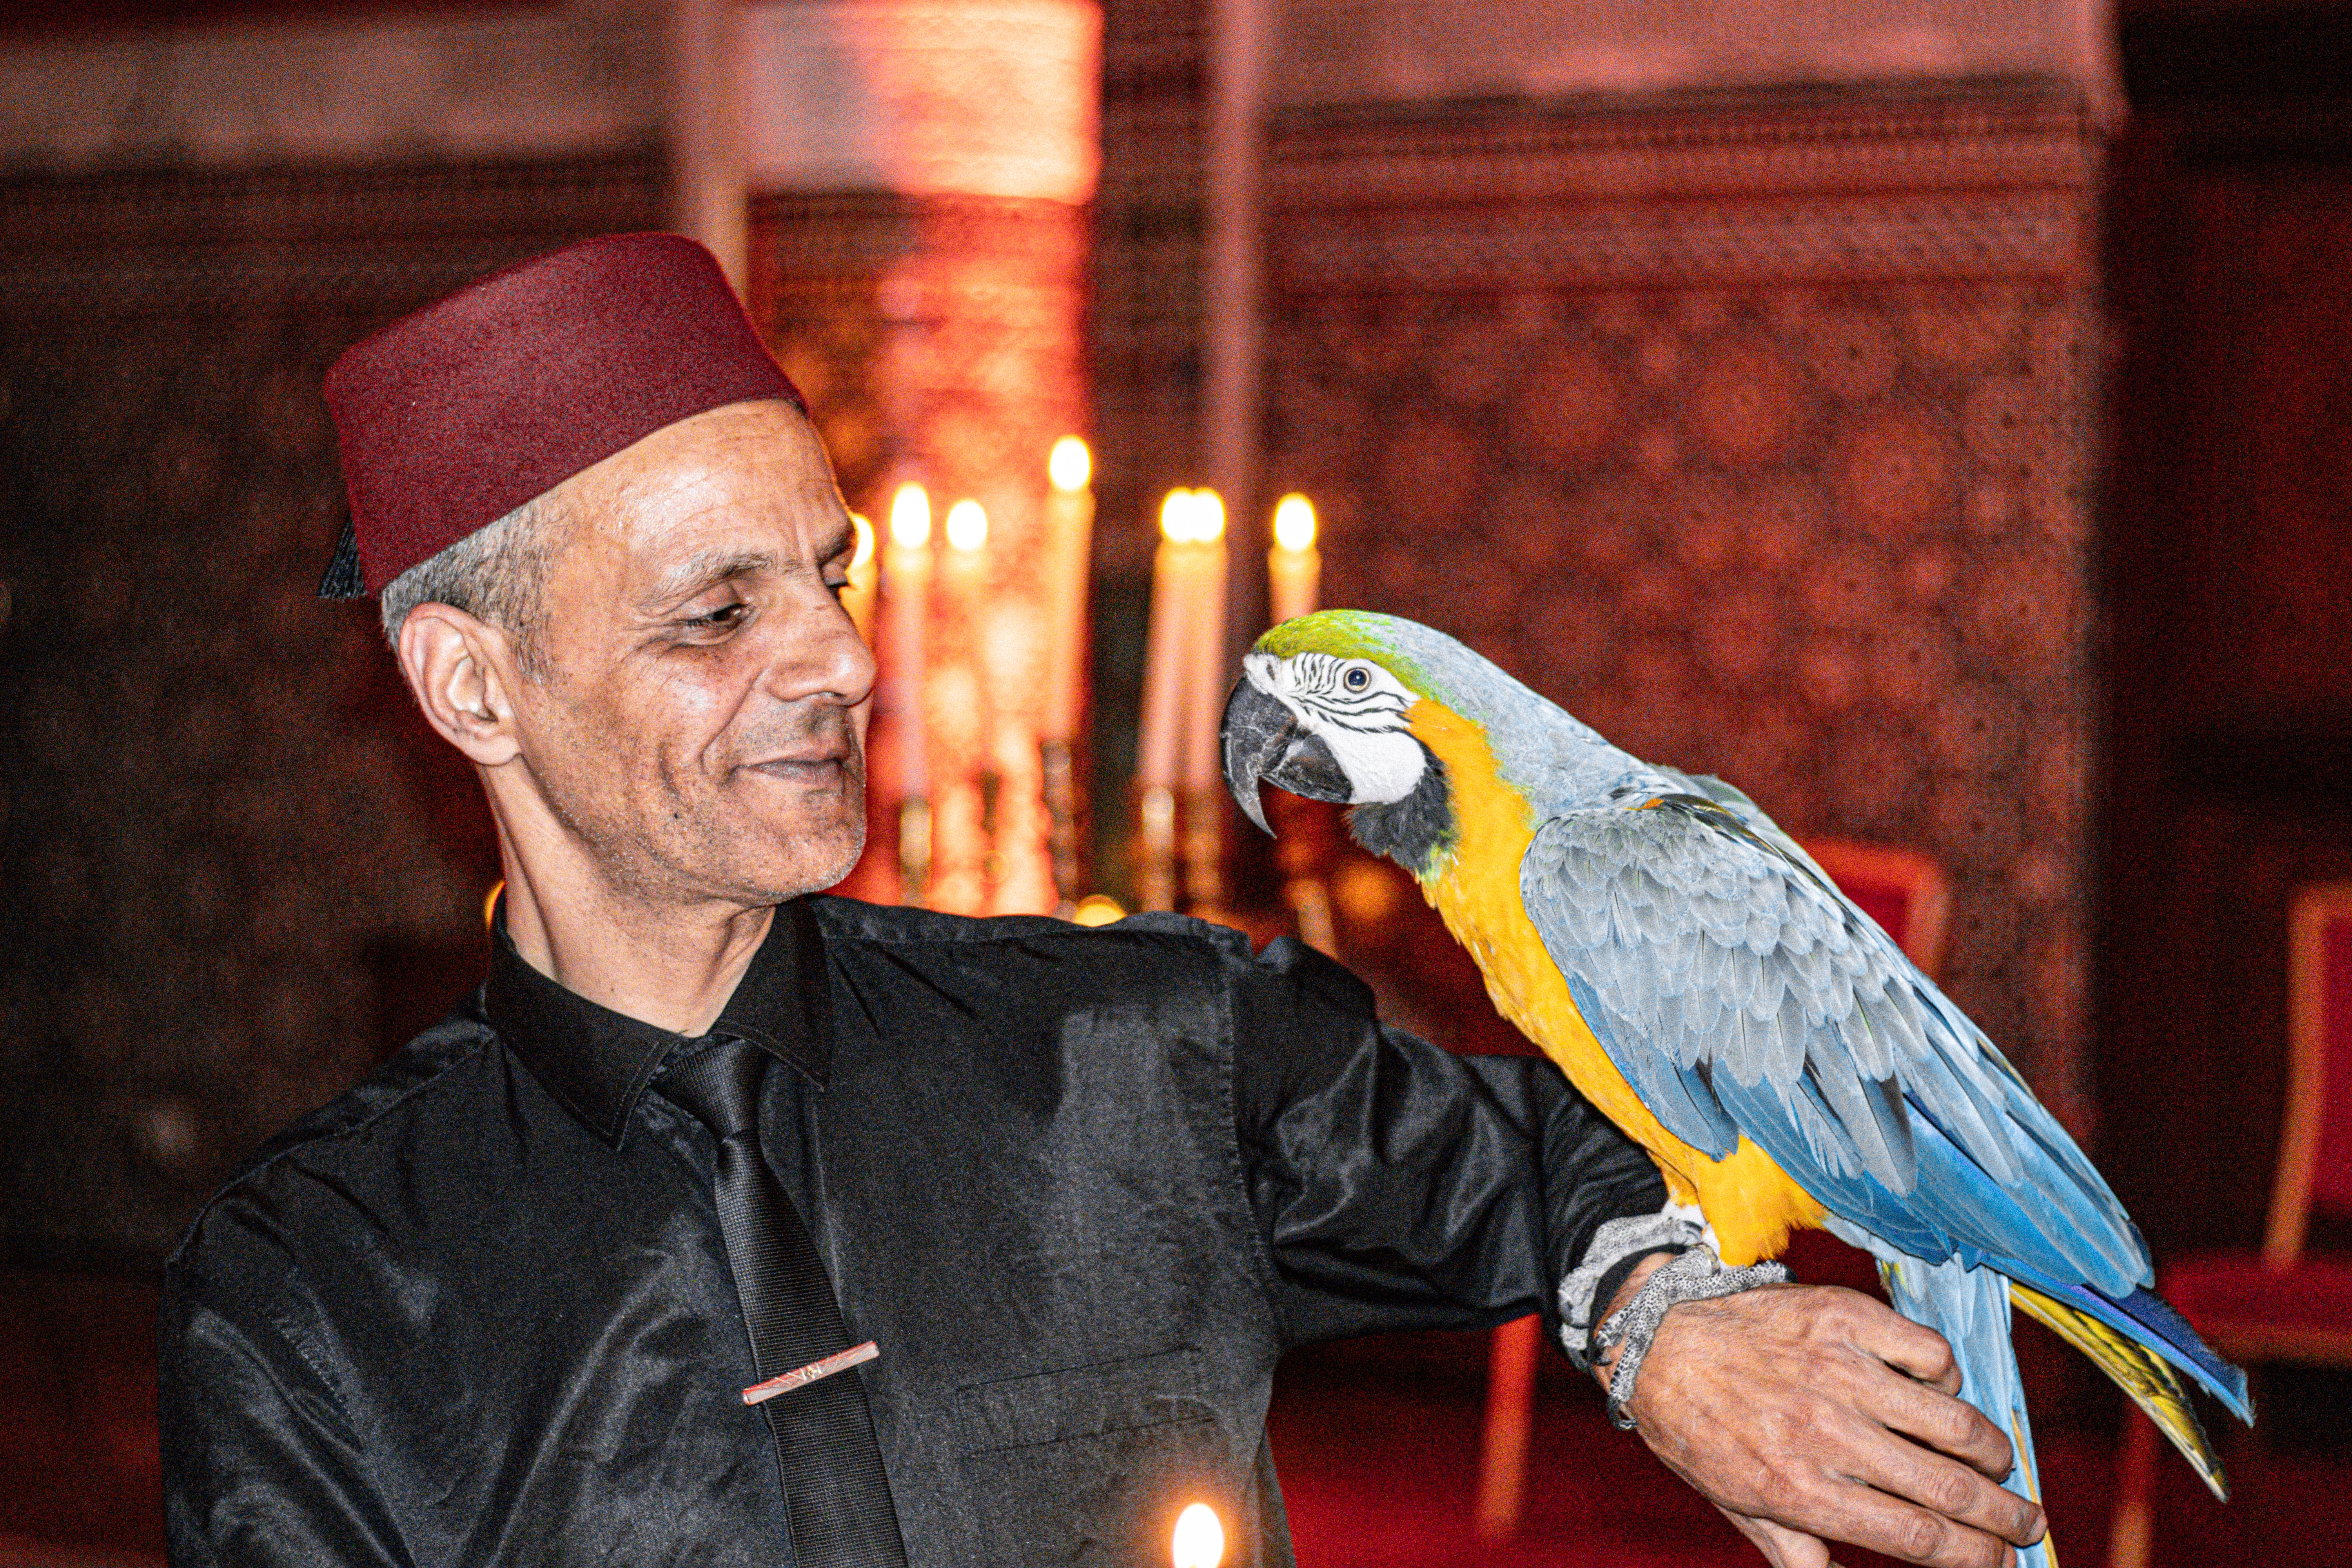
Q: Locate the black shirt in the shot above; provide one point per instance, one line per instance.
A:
(1084, 1188)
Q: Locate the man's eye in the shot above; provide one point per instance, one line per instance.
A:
(724, 617)
(837, 589)
(1356, 678)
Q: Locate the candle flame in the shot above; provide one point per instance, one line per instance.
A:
(1294, 524)
(1070, 465)
(1200, 1538)
(1176, 517)
(910, 517)
(865, 541)
(1208, 517)
(967, 526)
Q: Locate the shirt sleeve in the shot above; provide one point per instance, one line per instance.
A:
(1397, 1186)
(262, 1466)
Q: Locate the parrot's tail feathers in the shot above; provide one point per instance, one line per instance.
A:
(2191, 1354)
(2145, 1316)
(2022, 1444)
(2148, 1377)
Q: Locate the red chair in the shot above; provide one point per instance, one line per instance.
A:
(1907, 894)
(2280, 1304)
(1902, 890)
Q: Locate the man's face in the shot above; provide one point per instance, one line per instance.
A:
(697, 719)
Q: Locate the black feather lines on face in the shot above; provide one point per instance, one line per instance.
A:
(1415, 831)
(1321, 685)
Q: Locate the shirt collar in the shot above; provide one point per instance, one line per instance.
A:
(596, 1063)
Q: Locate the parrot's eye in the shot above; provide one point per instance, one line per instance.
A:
(1356, 679)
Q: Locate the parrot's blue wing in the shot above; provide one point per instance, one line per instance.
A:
(1739, 991)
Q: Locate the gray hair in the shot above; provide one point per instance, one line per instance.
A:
(495, 574)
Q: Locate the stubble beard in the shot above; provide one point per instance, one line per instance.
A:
(688, 842)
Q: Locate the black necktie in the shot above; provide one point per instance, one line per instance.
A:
(835, 1491)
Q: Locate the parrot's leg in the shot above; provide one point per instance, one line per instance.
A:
(1969, 1307)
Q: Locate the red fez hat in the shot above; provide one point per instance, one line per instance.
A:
(452, 418)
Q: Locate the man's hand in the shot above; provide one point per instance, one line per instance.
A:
(1806, 1413)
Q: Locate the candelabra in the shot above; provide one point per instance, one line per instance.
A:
(1204, 853)
(914, 850)
(1059, 784)
(1155, 849)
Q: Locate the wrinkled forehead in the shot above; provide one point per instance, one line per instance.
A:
(750, 480)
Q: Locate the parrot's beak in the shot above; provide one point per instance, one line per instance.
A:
(1264, 743)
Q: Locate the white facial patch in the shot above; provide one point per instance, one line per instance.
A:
(1355, 708)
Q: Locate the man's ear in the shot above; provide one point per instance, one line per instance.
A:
(462, 670)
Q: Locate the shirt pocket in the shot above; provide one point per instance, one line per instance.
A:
(1092, 1464)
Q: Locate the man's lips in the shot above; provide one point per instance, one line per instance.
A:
(791, 766)
(817, 767)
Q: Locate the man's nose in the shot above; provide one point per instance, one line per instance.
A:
(824, 656)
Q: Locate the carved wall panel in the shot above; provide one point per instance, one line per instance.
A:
(238, 869)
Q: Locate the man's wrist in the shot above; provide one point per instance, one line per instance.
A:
(1594, 1288)
(1696, 1275)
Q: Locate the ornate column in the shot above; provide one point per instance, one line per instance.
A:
(919, 174)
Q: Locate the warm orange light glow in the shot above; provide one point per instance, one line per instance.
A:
(1071, 465)
(1200, 1538)
(865, 541)
(1095, 910)
(967, 526)
(910, 517)
(1294, 524)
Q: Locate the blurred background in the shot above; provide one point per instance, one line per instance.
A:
(1935, 417)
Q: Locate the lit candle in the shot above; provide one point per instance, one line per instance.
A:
(968, 529)
(1292, 567)
(1199, 1539)
(961, 722)
(1205, 626)
(963, 571)
(1164, 659)
(907, 570)
(865, 576)
(1069, 540)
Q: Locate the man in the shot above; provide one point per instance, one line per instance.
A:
(1080, 1189)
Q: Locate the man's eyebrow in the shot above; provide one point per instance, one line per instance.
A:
(844, 541)
(698, 572)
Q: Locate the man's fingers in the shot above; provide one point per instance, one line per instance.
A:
(1819, 1415)
(1943, 1487)
(1878, 1522)
(1949, 1425)
(1781, 1547)
(1961, 1487)
(1910, 1348)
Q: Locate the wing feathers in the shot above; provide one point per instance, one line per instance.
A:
(1739, 991)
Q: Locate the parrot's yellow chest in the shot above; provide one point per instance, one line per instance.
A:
(1749, 1201)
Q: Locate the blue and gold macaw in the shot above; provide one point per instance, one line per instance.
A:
(1706, 986)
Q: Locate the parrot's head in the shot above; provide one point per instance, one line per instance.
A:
(1325, 709)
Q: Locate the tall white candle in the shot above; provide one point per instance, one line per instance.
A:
(1069, 544)
(1163, 659)
(959, 830)
(1294, 567)
(905, 609)
(1204, 632)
